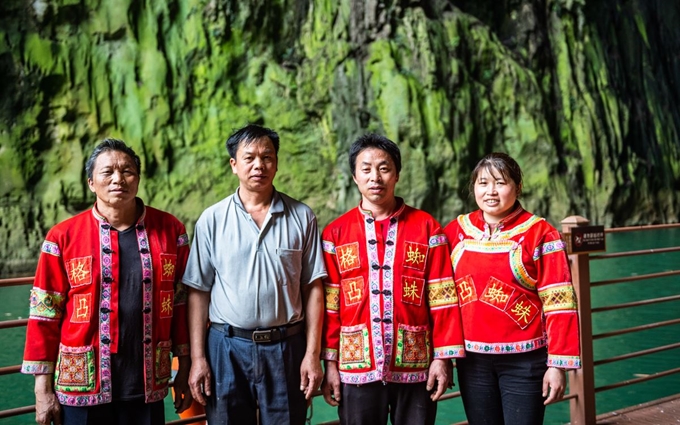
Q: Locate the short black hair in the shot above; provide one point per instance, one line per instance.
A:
(504, 164)
(249, 134)
(107, 145)
(374, 141)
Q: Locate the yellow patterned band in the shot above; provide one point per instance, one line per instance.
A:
(46, 305)
(332, 298)
(442, 293)
(558, 298)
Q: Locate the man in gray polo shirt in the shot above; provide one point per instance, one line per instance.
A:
(254, 271)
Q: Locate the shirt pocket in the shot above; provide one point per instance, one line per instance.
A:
(413, 347)
(288, 266)
(355, 352)
(163, 362)
(75, 369)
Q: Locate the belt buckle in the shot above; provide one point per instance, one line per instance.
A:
(262, 336)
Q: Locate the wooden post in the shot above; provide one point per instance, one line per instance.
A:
(582, 381)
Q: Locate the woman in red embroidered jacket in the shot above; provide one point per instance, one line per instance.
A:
(107, 308)
(518, 305)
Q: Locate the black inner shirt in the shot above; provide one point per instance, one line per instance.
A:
(127, 372)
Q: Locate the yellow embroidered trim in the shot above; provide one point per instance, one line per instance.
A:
(558, 298)
(442, 293)
(332, 298)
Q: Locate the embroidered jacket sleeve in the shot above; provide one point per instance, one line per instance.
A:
(180, 332)
(558, 301)
(331, 325)
(447, 329)
(47, 307)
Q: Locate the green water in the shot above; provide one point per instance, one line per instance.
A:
(17, 389)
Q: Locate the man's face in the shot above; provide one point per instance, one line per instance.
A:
(114, 180)
(376, 176)
(255, 164)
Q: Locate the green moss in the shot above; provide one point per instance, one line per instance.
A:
(11, 179)
(38, 52)
(639, 22)
(391, 89)
(108, 17)
(581, 103)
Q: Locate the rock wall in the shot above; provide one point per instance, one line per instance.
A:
(583, 93)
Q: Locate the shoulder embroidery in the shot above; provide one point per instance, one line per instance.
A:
(438, 240)
(51, 248)
(549, 248)
(183, 240)
(329, 247)
(468, 228)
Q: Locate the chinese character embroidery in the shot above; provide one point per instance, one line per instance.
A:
(166, 303)
(415, 256)
(79, 271)
(353, 290)
(348, 256)
(466, 290)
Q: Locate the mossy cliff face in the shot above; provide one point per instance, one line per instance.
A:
(583, 95)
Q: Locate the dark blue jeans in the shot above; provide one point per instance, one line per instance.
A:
(247, 375)
(502, 389)
(371, 404)
(116, 413)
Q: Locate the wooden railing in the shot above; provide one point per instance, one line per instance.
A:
(582, 388)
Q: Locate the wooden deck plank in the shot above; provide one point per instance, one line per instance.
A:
(665, 411)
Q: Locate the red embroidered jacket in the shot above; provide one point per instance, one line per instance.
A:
(73, 319)
(391, 304)
(514, 287)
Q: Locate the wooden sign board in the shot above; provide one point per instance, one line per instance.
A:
(586, 239)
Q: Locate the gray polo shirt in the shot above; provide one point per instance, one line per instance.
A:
(255, 275)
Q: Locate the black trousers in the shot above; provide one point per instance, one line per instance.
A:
(134, 412)
(372, 404)
(502, 389)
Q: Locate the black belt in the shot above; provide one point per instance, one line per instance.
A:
(261, 335)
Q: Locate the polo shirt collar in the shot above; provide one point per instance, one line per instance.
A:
(276, 205)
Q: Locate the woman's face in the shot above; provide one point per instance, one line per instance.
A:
(494, 195)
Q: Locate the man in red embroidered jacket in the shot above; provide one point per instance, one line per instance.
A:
(392, 322)
(107, 308)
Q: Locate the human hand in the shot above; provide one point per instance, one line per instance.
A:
(183, 398)
(554, 385)
(311, 374)
(331, 384)
(47, 407)
(438, 372)
(199, 380)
